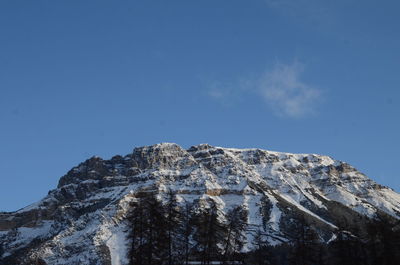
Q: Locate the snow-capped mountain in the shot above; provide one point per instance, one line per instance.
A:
(83, 220)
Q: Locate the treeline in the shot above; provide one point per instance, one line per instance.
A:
(379, 244)
(170, 233)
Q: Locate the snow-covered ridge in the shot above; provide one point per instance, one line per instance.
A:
(82, 220)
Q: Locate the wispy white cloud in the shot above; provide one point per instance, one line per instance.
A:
(283, 90)
(280, 87)
(229, 93)
(219, 91)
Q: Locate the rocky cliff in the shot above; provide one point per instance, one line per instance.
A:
(83, 220)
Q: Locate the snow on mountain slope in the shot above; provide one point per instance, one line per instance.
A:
(82, 221)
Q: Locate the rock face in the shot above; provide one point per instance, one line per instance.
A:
(82, 221)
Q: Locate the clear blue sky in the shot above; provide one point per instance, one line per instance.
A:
(84, 78)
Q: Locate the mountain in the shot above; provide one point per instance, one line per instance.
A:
(84, 220)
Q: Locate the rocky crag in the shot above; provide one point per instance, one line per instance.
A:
(83, 220)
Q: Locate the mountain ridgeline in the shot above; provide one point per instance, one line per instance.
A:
(163, 204)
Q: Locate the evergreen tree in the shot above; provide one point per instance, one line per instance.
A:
(346, 249)
(148, 231)
(304, 243)
(262, 254)
(208, 233)
(186, 212)
(157, 251)
(384, 241)
(136, 219)
(173, 228)
(235, 228)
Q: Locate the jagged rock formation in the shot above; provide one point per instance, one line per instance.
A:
(82, 221)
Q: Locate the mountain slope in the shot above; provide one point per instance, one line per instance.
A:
(83, 220)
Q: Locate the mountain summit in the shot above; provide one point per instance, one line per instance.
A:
(85, 220)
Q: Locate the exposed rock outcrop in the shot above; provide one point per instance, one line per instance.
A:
(82, 220)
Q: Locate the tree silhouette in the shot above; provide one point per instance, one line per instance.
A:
(305, 242)
(235, 228)
(208, 233)
(149, 238)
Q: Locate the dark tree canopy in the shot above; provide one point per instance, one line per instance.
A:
(173, 233)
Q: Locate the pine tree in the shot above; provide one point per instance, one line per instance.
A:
(136, 219)
(209, 232)
(262, 254)
(186, 228)
(342, 248)
(172, 227)
(157, 251)
(304, 240)
(384, 241)
(148, 231)
(235, 228)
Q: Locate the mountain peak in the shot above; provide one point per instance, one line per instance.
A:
(88, 209)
